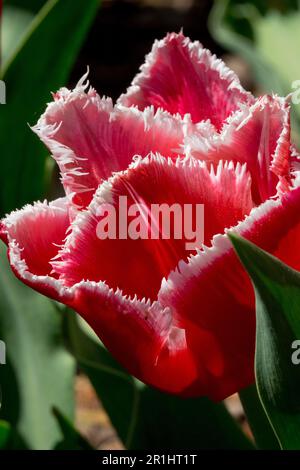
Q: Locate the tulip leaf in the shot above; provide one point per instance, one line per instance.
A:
(146, 418)
(277, 290)
(72, 440)
(41, 64)
(39, 372)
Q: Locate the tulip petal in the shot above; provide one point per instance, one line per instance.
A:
(198, 338)
(181, 76)
(147, 342)
(142, 263)
(90, 139)
(259, 136)
(140, 335)
(34, 236)
(39, 230)
(213, 293)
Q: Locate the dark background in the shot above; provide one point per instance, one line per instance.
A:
(124, 32)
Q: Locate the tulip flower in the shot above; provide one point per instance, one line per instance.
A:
(181, 320)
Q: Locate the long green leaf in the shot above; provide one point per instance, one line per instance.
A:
(39, 372)
(146, 418)
(277, 290)
(41, 64)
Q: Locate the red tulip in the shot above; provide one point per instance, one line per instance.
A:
(185, 133)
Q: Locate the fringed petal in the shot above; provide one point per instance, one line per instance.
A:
(181, 76)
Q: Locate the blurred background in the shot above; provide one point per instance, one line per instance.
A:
(58, 377)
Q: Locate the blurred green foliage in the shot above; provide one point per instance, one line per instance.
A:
(266, 34)
(39, 372)
(40, 43)
(72, 440)
(5, 434)
(40, 62)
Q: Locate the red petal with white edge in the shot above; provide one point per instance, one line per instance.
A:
(34, 236)
(140, 334)
(259, 136)
(213, 293)
(90, 139)
(181, 76)
(138, 266)
(39, 230)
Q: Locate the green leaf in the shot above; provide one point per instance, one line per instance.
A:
(41, 64)
(146, 418)
(277, 290)
(72, 440)
(39, 372)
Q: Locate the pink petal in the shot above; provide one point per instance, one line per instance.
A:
(90, 139)
(138, 266)
(259, 136)
(213, 293)
(181, 76)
